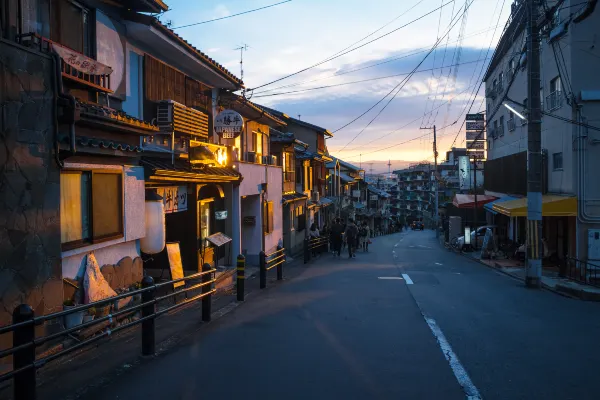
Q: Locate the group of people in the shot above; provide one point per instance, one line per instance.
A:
(351, 235)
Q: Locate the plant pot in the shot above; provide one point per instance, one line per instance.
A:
(73, 319)
(88, 318)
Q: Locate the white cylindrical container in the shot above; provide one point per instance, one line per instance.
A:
(154, 241)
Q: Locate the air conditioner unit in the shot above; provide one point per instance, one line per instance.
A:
(251, 157)
(315, 196)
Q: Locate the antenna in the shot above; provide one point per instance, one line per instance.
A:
(299, 116)
(242, 48)
(371, 169)
(389, 167)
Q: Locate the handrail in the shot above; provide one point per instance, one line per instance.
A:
(269, 261)
(24, 352)
(580, 271)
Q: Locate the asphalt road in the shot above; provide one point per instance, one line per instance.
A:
(439, 327)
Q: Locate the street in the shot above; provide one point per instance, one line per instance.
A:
(437, 326)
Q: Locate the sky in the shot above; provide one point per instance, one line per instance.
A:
(298, 34)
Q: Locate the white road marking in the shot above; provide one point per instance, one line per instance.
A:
(424, 247)
(438, 264)
(412, 247)
(459, 371)
(389, 277)
(407, 279)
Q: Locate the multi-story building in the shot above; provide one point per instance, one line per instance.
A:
(413, 194)
(570, 102)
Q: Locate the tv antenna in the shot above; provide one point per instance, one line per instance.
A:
(242, 48)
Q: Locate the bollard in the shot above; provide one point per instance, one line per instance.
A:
(24, 382)
(148, 328)
(206, 300)
(262, 260)
(241, 267)
(281, 261)
(306, 250)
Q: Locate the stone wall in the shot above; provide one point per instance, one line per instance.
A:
(30, 268)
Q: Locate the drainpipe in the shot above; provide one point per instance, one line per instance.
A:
(59, 94)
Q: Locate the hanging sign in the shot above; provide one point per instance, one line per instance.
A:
(475, 125)
(477, 155)
(80, 62)
(220, 215)
(174, 198)
(475, 117)
(477, 145)
(473, 135)
(229, 124)
(464, 173)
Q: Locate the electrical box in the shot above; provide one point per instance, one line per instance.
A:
(593, 244)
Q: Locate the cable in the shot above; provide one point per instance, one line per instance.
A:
(359, 81)
(403, 81)
(385, 61)
(353, 49)
(230, 16)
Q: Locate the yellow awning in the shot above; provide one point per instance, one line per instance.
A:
(552, 206)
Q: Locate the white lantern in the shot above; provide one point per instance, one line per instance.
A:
(154, 241)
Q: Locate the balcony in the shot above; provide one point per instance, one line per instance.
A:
(554, 100)
(500, 131)
(511, 124)
(490, 92)
(74, 66)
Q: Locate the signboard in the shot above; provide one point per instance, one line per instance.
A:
(479, 154)
(229, 124)
(174, 198)
(475, 117)
(250, 220)
(218, 239)
(373, 197)
(220, 215)
(174, 254)
(472, 135)
(475, 125)
(464, 174)
(80, 62)
(478, 145)
(356, 193)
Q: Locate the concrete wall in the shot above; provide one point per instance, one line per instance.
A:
(252, 234)
(29, 186)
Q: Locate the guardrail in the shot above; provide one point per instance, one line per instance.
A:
(580, 271)
(24, 323)
(269, 261)
(315, 246)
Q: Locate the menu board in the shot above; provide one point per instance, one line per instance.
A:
(175, 264)
(218, 239)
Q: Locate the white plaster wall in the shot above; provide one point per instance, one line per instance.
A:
(274, 194)
(251, 235)
(73, 265)
(254, 175)
(135, 205)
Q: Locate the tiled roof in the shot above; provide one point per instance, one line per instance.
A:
(289, 197)
(243, 102)
(100, 112)
(85, 141)
(183, 169)
(297, 121)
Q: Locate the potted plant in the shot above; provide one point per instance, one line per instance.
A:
(90, 315)
(72, 319)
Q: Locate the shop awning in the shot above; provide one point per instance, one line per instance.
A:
(182, 171)
(552, 206)
(490, 206)
(468, 200)
(326, 202)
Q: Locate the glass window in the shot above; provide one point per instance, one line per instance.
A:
(555, 85)
(35, 17)
(258, 143)
(74, 206)
(557, 161)
(268, 226)
(205, 219)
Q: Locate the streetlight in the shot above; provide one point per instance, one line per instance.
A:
(515, 112)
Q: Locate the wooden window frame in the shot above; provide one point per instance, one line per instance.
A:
(92, 238)
(268, 217)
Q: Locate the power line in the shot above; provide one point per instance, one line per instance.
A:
(353, 49)
(231, 16)
(362, 80)
(386, 61)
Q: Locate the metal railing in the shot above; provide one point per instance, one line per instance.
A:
(510, 123)
(580, 271)
(554, 100)
(24, 323)
(314, 246)
(267, 262)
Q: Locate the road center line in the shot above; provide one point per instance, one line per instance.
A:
(390, 277)
(459, 372)
(438, 263)
(407, 279)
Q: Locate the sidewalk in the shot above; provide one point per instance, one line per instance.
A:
(550, 277)
(78, 373)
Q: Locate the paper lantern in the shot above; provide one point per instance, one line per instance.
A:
(154, 241)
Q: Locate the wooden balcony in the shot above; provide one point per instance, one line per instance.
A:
(83, 75)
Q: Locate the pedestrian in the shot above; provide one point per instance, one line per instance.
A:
(365, 237)
(337, 231)
(351, 235)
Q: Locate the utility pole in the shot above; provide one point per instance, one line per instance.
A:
(534, 151)
(475, 198)
(435, 182)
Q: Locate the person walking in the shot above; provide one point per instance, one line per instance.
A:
(337, 231)
(351, 235)
(365, 236)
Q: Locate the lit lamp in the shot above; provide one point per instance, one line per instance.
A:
(467, 245)
(154, 241)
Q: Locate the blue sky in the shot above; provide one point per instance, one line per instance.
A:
(295, 35)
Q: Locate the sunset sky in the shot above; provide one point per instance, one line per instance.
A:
(295, 35)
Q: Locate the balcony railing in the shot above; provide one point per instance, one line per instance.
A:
(511, 124)
(500, 131)
(490, 92)
(100, 80)
(554, 100)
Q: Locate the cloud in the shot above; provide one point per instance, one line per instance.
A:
(221, 11)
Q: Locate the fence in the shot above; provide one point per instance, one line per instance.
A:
(315, 246)
(269, 261)
(580, 271)
(25, 343)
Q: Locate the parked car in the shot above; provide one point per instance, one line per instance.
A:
(417, 225)
(476, 237)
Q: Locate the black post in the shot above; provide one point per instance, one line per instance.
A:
(206, 300)
(148, 331)
(306, 250)
(24, 382)
(241, 275)
(281, 261)
(263, 269)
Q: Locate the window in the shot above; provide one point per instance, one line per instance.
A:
(300, 223)
(257, 139)
(35, 17)
(555, 85)
(557, 161)
(72, 26)
(525, 105)
(91, 207)
(500, 80)
(205, 207)
(495, 131)
(501, 126)
(554, 99)
(289, 165)
(268, 226)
